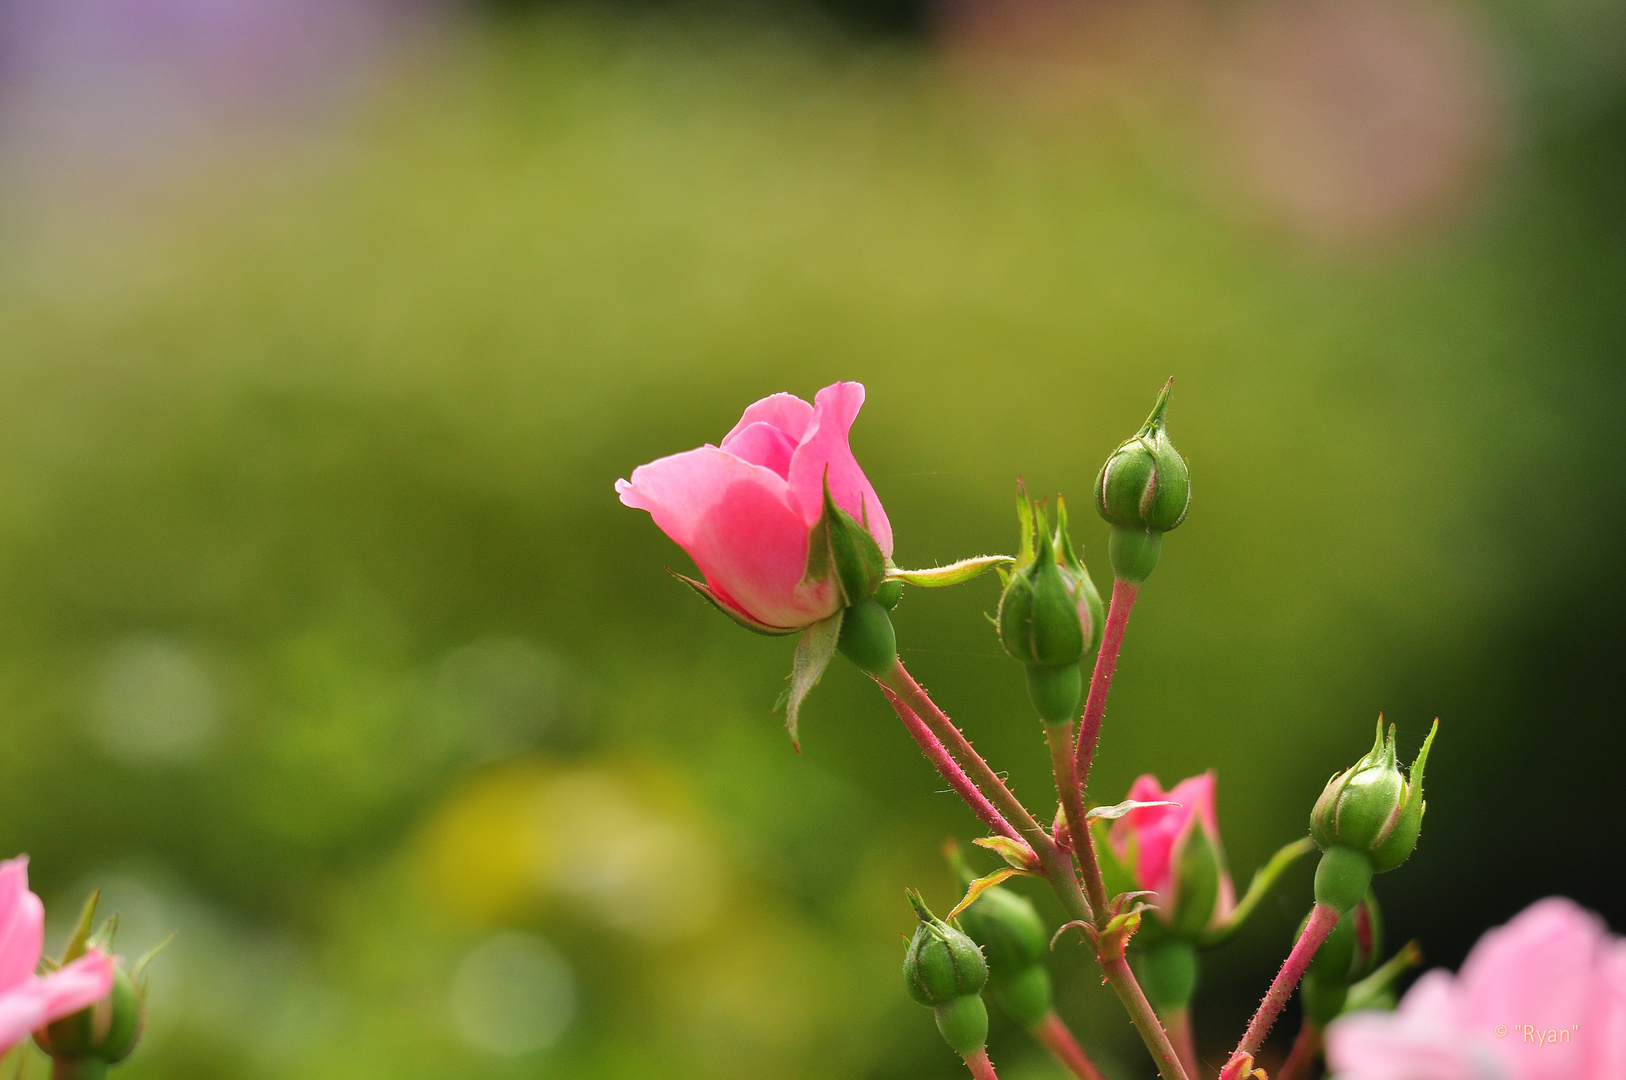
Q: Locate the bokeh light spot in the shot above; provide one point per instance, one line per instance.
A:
(513, 994)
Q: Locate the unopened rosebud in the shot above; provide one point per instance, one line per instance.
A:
(1014, 941)
(1049, 614)
(85, 1043)
(945, 970)
(1143, 491)
(1367, 820)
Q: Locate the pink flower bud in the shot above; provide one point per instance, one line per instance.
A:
(1175, 852)
(743, 510)
(1541, 998)
(26, 1000)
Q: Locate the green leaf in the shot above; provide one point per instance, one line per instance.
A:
(1118, 810)
(953, 574)
(1014, 852)
(813, 652)
(744, 620)
(983, 884)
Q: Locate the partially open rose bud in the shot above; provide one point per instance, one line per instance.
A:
(1367, 820)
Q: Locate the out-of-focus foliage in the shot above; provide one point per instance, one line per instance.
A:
(324, 641)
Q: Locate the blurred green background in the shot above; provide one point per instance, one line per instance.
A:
(324, 641)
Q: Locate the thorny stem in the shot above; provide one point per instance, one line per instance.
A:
(950, 770)
(980, 1066)
(1055, 1036)
(1323, 917)
(1305, 1049)
(1144, 1019)
(1060, 738)
(1106, 660)
(1058, 868)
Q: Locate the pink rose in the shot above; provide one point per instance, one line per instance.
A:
(26, 1000)
(1542, 998)
(743, 510)
(1151, 842)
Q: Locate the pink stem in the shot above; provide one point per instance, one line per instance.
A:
(1058, 1039)
(1323, 917)
(938, 755)
(1185, 1043)
(1305, 1049)
(980, 1066)
(1106, 661)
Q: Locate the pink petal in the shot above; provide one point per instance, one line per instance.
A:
(738, 524)
(1537, 970)
(824, 447)
(38, 1002)
(22, 925)
(79, 985)
(762, 444)
(1157, 829)
(787, 412)
(1605, 1023)
(1421, 1040)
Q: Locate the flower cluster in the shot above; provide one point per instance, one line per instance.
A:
(790, 537)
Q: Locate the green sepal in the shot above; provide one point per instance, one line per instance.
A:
(1197, 886)
(1408, 826)
(738, 616)
(1080, 584)
(841, 549)
(955, 573)
(1038, 618)
(1377, 989)
(79, 939)
(814, 650)
(1263, 880)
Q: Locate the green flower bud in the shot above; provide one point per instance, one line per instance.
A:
(1372, 807)
(106, 1033)
(1143, 491)
(942, 963)
(1027, 997)
(1050, 614)
(1168, 973)
(85, 1043)
(1014, 941)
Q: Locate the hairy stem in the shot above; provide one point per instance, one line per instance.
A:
(1057, 867)
(1060, 739)
(1055, 1036)
(1302, 1059)
(980, 1066)
(1323, 917)
(1144, 1019)
(943, 761)
(1106, 661)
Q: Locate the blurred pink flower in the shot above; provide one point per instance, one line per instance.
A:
(743, 510)
(1152, 840)
(1542, 998)
(26, 1000)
